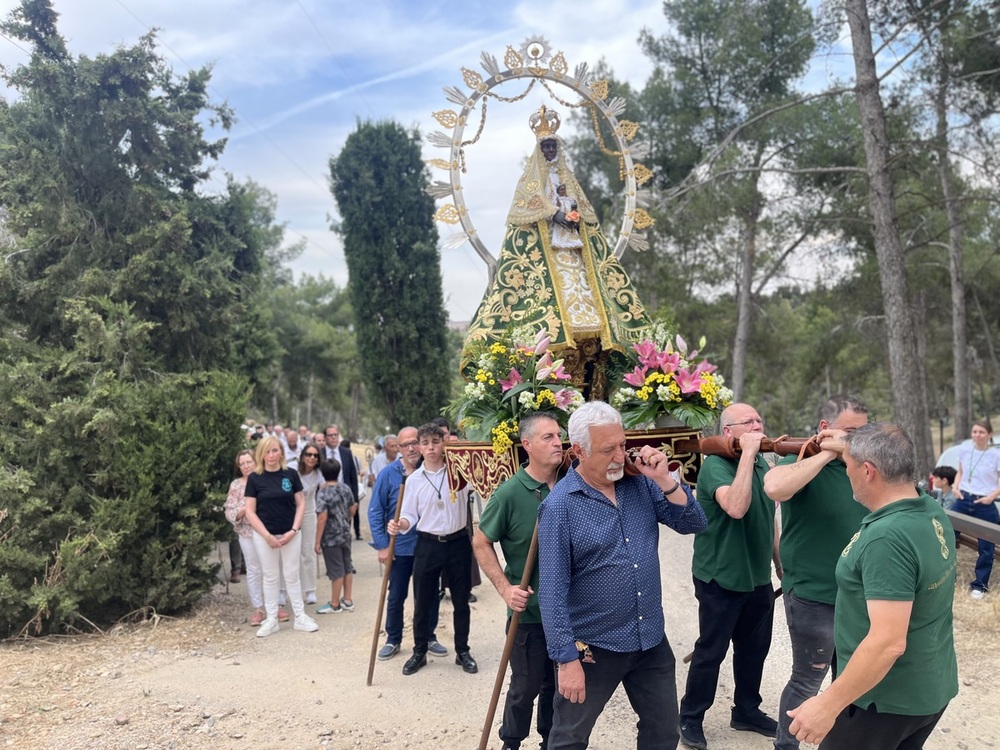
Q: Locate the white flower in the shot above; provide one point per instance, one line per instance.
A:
(662, 392)
(527, 400)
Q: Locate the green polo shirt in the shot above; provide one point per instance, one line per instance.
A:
(816, 524)
(509, 518)
(903, 552)
(733, 552)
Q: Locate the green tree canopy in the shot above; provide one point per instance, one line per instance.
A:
(379, 182)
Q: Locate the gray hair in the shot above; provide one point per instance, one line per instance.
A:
(885, 446)
(837, 404)
(528, 424)
(591, 414)
(390, 436)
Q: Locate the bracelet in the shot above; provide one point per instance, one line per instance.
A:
(295, 530)
(672, 489)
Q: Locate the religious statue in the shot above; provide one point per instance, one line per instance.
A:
(556, 270)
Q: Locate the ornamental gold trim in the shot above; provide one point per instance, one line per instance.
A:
(448, 214)
(629, 129)
(600, 89)
(473, 80)
(512, 59)
(642, 219)
(559, 66)
(642, 173)
(447, 117)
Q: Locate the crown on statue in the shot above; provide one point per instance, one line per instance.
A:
(544, 123)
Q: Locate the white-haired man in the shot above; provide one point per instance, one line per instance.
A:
(599, 584)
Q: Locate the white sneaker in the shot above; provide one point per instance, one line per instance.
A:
(282, 599)
(306, 624)
(310, 597)
(977, 594)
(268, 627)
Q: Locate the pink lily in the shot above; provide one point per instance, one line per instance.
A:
(558, 373)
(689, 382)
(513, 378)
(564, 398)
(637, 377)
(646, 351)
(542, 341)
(668, 361)
(682, 345)
(552, 370)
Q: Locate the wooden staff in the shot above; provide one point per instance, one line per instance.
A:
(385, 586)
(508, 646)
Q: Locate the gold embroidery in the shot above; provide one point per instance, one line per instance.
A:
(850, 544)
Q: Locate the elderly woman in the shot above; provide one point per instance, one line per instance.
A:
(275, 506)
(235, 511)
(312, 479)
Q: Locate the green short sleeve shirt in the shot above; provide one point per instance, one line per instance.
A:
(733, 552)
(903, 552)
(816, 524)
(509, 518)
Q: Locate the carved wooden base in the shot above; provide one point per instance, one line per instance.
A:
(477, 465)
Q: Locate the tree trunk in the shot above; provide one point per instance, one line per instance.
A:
(959, 342)
(744, 304)
(909, 400)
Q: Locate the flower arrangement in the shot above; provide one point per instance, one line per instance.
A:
(510, 378)
(667, 379)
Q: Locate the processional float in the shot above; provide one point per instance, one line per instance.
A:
(580, 303)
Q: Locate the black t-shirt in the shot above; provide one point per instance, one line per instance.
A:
(275, 493)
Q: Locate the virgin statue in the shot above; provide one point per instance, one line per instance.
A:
(556, 270)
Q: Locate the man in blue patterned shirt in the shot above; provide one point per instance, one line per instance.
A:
(599, 585)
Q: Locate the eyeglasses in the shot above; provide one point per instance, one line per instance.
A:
(747, 422)
(310, 455)
(411, 444)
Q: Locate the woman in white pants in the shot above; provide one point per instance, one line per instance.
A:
(274, 507)
(312, 479)
(235, 511)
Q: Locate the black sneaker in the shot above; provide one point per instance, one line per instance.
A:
(758, 722)
(692, 736)
(414, 663)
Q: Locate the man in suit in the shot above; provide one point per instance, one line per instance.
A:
(349, 470)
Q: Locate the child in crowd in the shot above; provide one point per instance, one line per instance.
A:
(335, 508)
(943, 477)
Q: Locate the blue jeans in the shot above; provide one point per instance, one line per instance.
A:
(984, 564)
(743, 617)
(810, 629)
(399, 587)
(648, 678)
(531, 676)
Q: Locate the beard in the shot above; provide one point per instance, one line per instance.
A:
(615, 472)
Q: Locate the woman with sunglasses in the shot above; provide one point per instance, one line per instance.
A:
(235, 511)
(312, 479)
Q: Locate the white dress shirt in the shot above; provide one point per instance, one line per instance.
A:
(427, 503)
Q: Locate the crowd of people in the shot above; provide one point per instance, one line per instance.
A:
(866, 561)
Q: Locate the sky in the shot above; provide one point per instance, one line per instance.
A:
(300, 75)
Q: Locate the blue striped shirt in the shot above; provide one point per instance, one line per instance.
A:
(599, 572)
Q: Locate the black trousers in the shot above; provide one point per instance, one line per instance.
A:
(744, 618)
(430, 559)
(531, 676)
(648, 679)
(861, 729)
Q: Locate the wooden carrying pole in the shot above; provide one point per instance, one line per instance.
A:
(385, 586)
(508, 646)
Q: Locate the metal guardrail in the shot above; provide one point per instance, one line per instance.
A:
(972, 529)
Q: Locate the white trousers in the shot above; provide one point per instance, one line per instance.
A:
(254, 572)
(307, 569)
(275, 563)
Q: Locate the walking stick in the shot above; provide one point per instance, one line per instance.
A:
(508, 646)
(385, 586)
